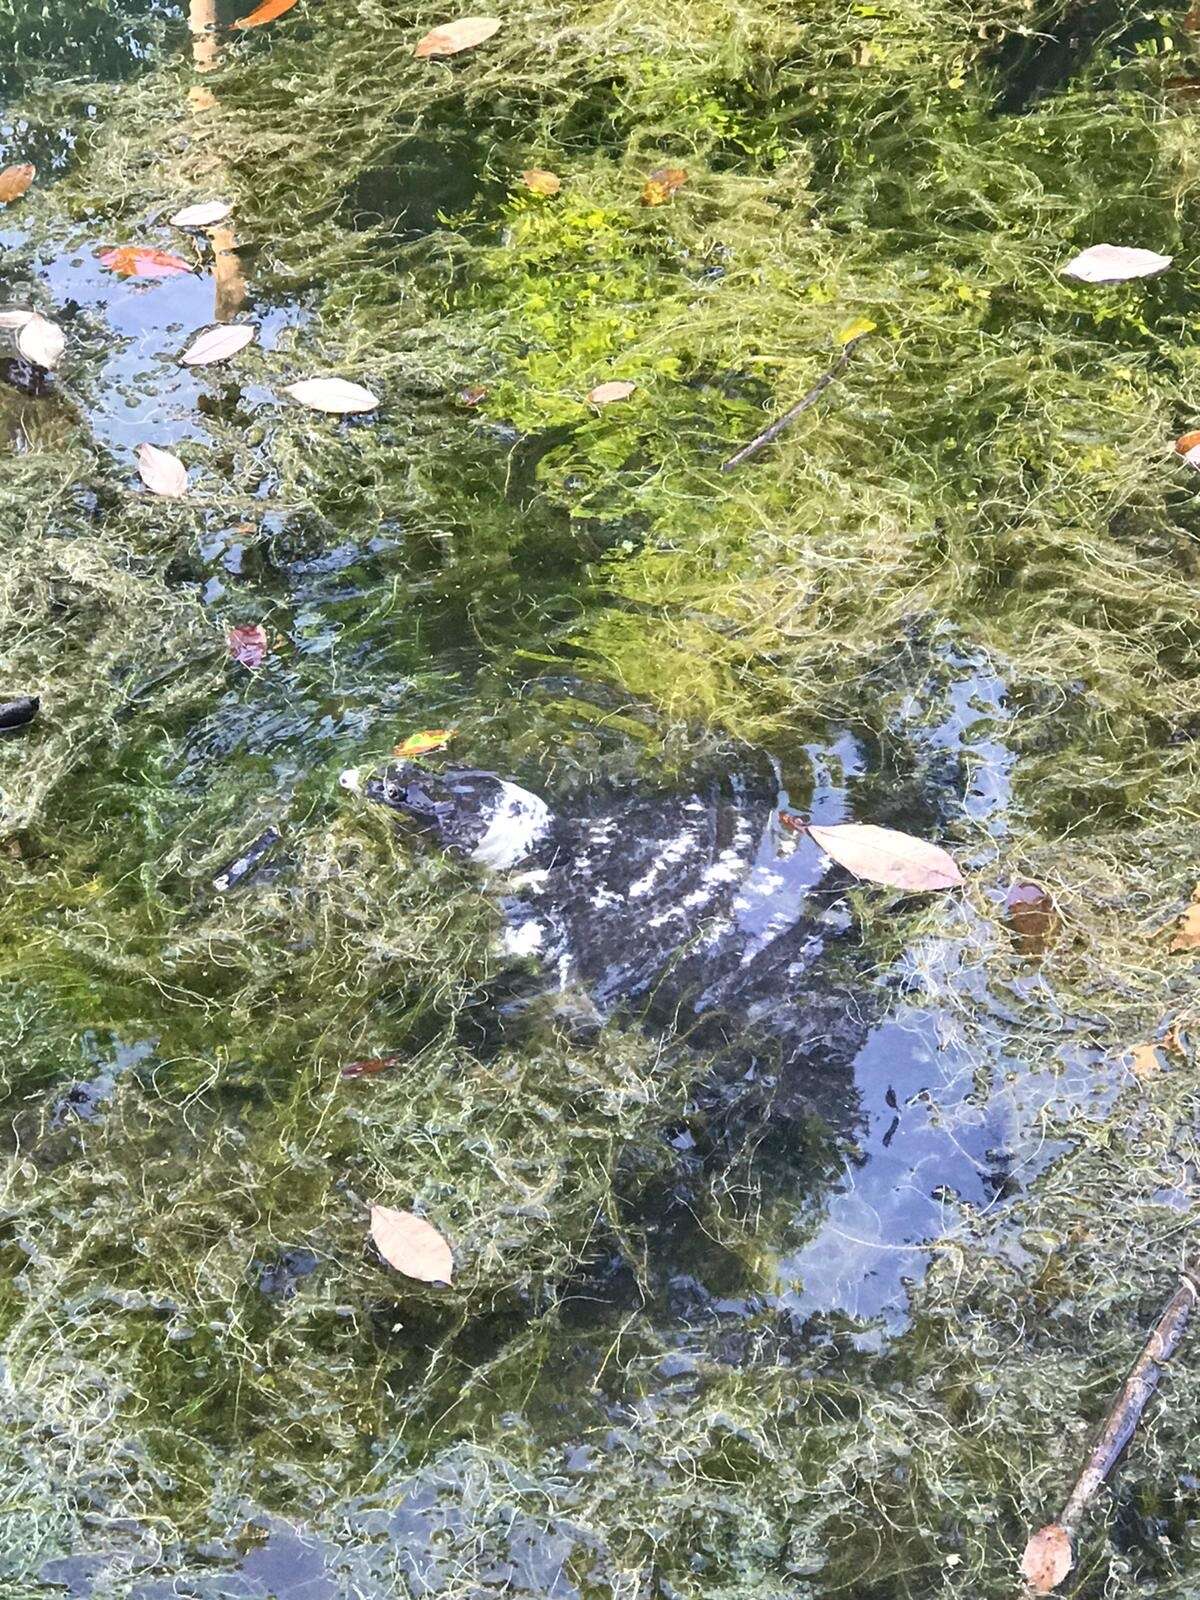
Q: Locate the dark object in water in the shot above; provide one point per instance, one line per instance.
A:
(687, 908)
(370, 1067)
(229, 877)
(1032, 917)
(18, 713)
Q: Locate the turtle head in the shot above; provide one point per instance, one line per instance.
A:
(477, 814)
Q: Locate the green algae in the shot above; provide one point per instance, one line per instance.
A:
(997, 457)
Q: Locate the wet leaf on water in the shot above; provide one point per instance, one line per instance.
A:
(202, 215)
(1187, 441)
(605, 393)
(218, 344)
(472, 395)
(1187, 930)
(451, 37)
(267, 12)
(539, 181)
(884, 855)
(1144, 1060)
(370, 1068)
(161, 472)
(41, 341)
(662, 184)
(15, 316)
(332, 394)
(419, 744)
(15, 180)
(1032, 917)
(1047, 1558)
(1115, 263)
(857, 329)
(411, 1245)
(139, 261)
(248, 644)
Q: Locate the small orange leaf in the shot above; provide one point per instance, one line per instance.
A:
(662, 184)
(419, 744)
(1143, 1061)
(472, 395)
(15, 180)
(541, 182)
(138, 261)
(1047, 1558)
(451, 37)
(267, 12)
(370, 1068)
(605, 393)
(1187, 931)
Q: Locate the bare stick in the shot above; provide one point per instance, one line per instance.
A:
(1048, 1555)
(788, 417)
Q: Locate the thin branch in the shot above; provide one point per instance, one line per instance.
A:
(785, 421)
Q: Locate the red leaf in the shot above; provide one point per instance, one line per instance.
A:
(369, 1068)
(248, 645)
(267, 12)
(139, 261)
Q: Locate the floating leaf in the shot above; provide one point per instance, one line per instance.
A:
(332, 394)
(218, 344)
(15, 316)
(369, 1068)
(202, 215)
(452, 37)
(419, 744)
(473, 395)
(1115, 263)
(248, 644)
(411, 1245)
(605, 393)
(1144, 1060)
(1032, 916)
(540, 181)
(1187, 932)
(662, 184)
(267, 12)
(855, 330)
(161, 472)
(15, 180)
(1047, 1558)
(139, 261)
(883, 855)
(41, 341)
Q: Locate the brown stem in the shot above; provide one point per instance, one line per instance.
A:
(785, 421)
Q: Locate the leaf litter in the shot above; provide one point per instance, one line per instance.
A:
(452, 37)
(202, 215)
(41, 341)
(334, 395)
(15, 180)
(218, 344)
(163, 473)
(411, 1245)
(143, 261)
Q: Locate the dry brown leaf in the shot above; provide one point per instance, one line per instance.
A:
(662, 184)
(1187, 930)
(161, 472)
(419, 744)
(332, 394)
(267, 12)
(1144, 1061)
(1187, 441)
(541, 182)
(218, 344)
(1047, 1558)
(1032, 917)
(41, 341)
(411, 1245)
(886, 856)
(451, 37)
(605, 393)
(15, 180)
(472, 395)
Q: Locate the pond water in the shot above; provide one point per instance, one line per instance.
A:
(817, 1294)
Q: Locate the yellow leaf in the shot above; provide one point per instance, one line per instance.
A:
(662, 184)
(855, 330)
(539, 181)
(419, 744)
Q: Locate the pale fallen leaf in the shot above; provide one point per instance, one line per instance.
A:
(855, 330)
(267, 12)
(1047, 1558)
(15, 316)
(605, 393)
(161, 472)
(15, 180)
(419, 744)
(541, 182)
(41, 341)
(332, 394)
(662, 184)
(1187, 930)
(1115, 263)
(218, 344)
(411, 1245)
(1144, 1060)
(248, 644)
(451, 37)
(140, 261)
(202, 215)
(885, 856)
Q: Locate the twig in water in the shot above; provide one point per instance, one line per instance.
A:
(788, 417)
(1048, 1555)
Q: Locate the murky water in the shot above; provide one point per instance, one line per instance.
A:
(470, 1450)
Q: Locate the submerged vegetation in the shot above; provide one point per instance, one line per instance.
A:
(982, 526)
